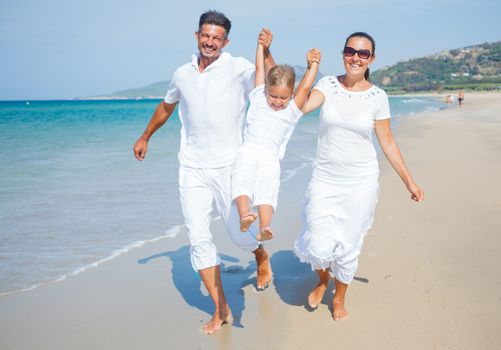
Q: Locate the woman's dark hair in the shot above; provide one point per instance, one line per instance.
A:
(373, 43)
(216, 18)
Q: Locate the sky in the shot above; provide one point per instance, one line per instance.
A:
(61, 49)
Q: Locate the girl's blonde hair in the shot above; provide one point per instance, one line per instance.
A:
(282, 74)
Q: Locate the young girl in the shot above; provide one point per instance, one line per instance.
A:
(272, 116)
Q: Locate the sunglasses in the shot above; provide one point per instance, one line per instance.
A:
(350, 52)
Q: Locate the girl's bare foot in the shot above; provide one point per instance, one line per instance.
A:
(265, 233)
(339, 312)
(217, 320)
(246, 220)
(316, 295)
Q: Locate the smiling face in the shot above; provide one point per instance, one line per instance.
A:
(211, 39)
(354, 65)
(278, 96)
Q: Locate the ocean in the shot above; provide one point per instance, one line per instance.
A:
(73, 196)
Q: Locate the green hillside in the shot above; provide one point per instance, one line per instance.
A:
(474, 67)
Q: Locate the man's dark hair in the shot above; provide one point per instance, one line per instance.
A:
(216, 18)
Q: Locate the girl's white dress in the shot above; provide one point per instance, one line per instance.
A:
(256, 169)
(341, 197)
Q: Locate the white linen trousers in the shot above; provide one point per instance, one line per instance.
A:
(201, 191)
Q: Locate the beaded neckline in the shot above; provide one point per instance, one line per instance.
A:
(340, 90)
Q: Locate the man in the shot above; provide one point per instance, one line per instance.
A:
(212, 93)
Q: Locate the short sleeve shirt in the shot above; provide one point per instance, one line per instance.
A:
(267, 129)
(345, 143)
(212, 106)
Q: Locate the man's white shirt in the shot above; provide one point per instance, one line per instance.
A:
(212, 107)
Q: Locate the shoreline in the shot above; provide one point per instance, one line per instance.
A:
(286, 176)
(169, 233)
(418, 269)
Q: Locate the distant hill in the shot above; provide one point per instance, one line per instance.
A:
(157, 90)
(474, 67)
(152, 91)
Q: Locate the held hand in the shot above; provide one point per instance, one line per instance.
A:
(265, 38)
(140, 148)
(313, 56)
(417, 194)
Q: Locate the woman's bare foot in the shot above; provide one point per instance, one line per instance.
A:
(264, 273)
(217, 320)
(264, 234)
(246, 220)
(339, 312)
(316, 295)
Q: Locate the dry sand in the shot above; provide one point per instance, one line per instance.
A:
(429, 274)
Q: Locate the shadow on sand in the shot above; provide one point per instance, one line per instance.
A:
(292, 279)
(191, 288)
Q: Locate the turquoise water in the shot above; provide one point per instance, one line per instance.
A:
(72, 195)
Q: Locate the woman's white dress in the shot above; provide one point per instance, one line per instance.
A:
(341, 197)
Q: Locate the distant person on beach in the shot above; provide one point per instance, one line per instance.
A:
(212, 93)
(460, 97)
(341, 197)
(274, 111)
(448, 99)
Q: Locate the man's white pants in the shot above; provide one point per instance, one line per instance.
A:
(202, 190)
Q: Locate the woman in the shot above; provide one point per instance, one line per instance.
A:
(342, 194)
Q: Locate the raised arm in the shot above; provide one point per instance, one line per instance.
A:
(313, 58)
(260, 71)
(162, 113)
(392, 153)
(265, 39)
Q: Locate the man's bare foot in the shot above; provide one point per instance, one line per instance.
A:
(316, 295)
(246, 220)
(339, 311)
(264, 234)
(217, 320)
(264, 273)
